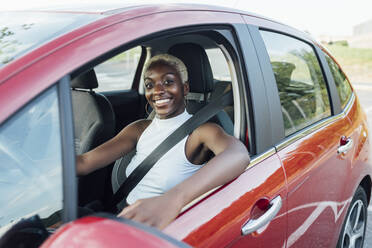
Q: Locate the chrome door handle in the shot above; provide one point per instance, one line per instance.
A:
(253, 225)
(345, 148)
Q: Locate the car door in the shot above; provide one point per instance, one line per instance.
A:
(251, 210)
(313, 129)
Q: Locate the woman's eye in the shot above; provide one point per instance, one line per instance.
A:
(148, 85)
(168, 81)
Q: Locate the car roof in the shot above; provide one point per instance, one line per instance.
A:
(115, 7)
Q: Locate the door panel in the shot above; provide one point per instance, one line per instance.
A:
(217, 220)
(316, 176)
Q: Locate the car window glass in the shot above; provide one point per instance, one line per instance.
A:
(22, 31)
(342, 84)
(301, 85)
(31, 163)
(118, 72)
(219, 65)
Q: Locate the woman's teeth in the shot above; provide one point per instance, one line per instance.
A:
(162, 101)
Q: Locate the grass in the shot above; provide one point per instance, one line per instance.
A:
(356, 62)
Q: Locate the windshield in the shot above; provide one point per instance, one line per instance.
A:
(24, 31)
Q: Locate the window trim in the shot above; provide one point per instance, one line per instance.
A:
(69, 212)
(332, 89)
(315, 126)
(238, 120)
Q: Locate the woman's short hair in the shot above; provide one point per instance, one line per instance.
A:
(171, 61)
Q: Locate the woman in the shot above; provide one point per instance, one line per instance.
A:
(184, 172)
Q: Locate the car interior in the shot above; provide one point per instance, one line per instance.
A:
(104, 103)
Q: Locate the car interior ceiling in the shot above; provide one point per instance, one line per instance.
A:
(96, 114)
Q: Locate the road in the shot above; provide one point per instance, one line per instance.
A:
(364, 92)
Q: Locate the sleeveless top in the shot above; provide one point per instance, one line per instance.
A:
(171, 169)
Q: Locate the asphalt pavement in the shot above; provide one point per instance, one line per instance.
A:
(364, 92)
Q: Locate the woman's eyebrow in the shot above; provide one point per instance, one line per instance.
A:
(171, 73)
(165, 74)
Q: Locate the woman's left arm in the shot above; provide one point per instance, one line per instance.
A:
(230, 160)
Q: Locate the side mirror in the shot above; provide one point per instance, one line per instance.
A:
(27, 233)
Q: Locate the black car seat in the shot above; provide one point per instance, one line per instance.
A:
(94, 121)
(201, 88)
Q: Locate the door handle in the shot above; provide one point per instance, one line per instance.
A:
(343, 149)
(253, 225)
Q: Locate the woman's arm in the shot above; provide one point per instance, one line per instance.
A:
(103, 155)
(231, 159)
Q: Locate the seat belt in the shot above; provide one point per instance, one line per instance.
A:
(200, 117)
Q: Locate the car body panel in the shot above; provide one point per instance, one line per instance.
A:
(316, 175)
(95, 231)
(217, 223)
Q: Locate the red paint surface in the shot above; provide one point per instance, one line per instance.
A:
(217, 220)
(318, 196)
(100, 232)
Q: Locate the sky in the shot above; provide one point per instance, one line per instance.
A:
(318, 17)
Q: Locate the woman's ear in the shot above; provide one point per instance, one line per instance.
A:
(186, 88)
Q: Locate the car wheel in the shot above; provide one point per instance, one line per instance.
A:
(354, 227)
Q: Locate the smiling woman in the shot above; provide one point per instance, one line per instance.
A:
(176, 177)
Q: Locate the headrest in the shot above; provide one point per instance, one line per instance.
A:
(87, 80)
(197, 64)
(283, 72)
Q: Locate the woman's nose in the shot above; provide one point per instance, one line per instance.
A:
(158, 88)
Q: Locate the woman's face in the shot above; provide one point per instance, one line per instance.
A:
(164, 90)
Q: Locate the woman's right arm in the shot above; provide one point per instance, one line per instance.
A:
(105, 154)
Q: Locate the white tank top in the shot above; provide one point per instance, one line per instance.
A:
(171, 169)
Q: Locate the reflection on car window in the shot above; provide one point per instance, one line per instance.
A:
(301, 85)
(118, 72)
(31, 163)
(21, 31)
(342, 84)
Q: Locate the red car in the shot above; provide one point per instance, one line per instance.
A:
(70, 79)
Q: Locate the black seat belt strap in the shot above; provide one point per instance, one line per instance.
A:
(203, 115)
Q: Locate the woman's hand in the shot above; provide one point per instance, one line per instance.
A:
(156, 211)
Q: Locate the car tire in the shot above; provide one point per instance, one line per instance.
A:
(354, 227)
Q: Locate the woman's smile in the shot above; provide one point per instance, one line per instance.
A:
(162, 102)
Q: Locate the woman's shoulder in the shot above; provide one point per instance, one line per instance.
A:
(207, 129)
(140, 125)
(134, 129)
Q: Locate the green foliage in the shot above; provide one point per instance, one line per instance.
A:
(355, 62)
(339, 43)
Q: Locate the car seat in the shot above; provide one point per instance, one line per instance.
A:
(94, 121)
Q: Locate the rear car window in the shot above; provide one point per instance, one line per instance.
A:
(300, 81)
(31, 163)
(22, 31)
(118, 72)
(220, 68)
(342, 84)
